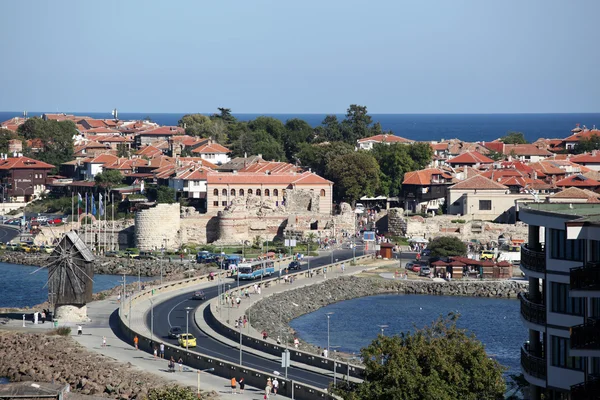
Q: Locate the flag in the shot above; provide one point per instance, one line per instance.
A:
(79, 203)
(86, 203)
(142, 187)
(93, 206)
(101, 206)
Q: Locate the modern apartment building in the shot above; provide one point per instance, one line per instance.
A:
(562, 308)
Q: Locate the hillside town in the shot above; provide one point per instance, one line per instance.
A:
(481, 181)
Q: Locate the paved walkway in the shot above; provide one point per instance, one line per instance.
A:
(100, 312)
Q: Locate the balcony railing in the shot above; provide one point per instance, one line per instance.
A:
(532, 311)
(533, 260)
(586, 277)
(532, 365)
(587, 390)
(586, 336)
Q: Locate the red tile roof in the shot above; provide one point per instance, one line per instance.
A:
(478, 182)
(578, 181)
(589, 158)
(148, 151)
(249, 178)
(584, 134)
(162, 131)
(577, 193)
(213, 148)
(385, 138)
(23, 163)
(424, 177)
(471, 157)
(439, 146)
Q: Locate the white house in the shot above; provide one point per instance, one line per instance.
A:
(213, 152)
(367, 143)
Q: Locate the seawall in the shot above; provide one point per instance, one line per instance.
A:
(305, 299)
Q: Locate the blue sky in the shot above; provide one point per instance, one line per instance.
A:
(253, 56)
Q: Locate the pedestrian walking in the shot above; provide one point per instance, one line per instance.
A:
(119, 298)
(258, 290)
(245, 321)
(296, 342)
(236, 323)
(103, 341)
(180, 363)
(268, 388)
(264, 335)
(247, 294)
(242, 385)
(238, 301)
(162, 350)
(155, 352)
(275, 386)
(233, 385)
(343, 267)
(135, 342)
(43, 316)
(172, 364)
(79, 330)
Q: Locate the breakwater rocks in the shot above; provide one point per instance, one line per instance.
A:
(293, 303)
(44, 358)
(105, 265)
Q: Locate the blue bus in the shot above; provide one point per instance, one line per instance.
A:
(256, 269)
(231, 261)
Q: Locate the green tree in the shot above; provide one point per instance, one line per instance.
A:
(397, 159)
(514, 138)
(163, 194)
(224, 115)
(7, 135)
(297, 131)
(123, 150)
(495, 155)
(356, 125)
(439, 361)
(272, 126)
(330, 129)
(354, 175)
(317, 156)
(196, 125)
(587, 145)
(108, 178)
(447, 246)
(171, 393)
(258, 142)
(56, 137)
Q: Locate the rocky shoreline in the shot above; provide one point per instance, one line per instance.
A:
(292, 304)
(45, 358)
(106, 265)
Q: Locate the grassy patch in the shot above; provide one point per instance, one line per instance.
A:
(61, 331)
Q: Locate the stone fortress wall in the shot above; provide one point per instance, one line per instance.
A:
(157, 227)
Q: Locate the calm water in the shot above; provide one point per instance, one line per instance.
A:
(20, 288)
(468, 127)
(354, 323)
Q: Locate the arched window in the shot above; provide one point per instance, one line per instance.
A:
(322, 192)
(242, 192)
(224, 192)
(249, 192)
(275, 192)
(232, 192)
(258, 192)
(267, 193)
(216, 192)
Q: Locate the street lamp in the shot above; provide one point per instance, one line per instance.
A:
(329, 314)
(382, 328)
(187, 326)
(229, 307)
(203, 370)
(240, 328)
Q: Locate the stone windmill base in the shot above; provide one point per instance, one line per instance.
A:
(69, 313)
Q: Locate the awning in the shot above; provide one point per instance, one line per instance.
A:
(365, 198)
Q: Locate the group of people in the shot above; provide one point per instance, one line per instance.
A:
(172, 364)
(272, 386)
(241, 322)
(41, 316)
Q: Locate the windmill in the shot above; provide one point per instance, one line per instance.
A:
(70, 278)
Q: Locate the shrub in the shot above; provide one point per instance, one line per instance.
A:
(458, 221)
(61, 331)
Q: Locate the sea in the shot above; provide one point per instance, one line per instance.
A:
(24, 286)
(495, 322)
(421, 127)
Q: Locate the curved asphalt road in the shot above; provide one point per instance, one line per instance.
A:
(8, 233)
(172, 313)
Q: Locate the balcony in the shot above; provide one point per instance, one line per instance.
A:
(587, 390)
(586, 277)
(533, 260)
(532, 365)
(586, 336)
(532, 311)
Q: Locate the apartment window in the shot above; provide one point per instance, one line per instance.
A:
(595, 250)
(224, 191)
(216, 192)
(241, 192)
(249, 192)
(258, 192)
(275, 192)
(267, 193)
(563, 249)
(562, 303)
(595, 308)
(232, 192)
(224, 203)
(485, 205)
(560, 355)
(322, 192)
(216, 203)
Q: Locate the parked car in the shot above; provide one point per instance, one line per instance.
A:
(416, 267)
(146, 256)
(199, 295)
(114, 254)
(294, 265)
(409, 265)
(12, 246)
(425, 271)
(487, 255)
(175, 332)
(55, 221)
(187, 340)
(46, 249)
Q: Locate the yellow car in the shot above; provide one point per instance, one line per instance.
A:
(25, 247)
(487, 255)
(187, 340)
(47, 249)
(35, 248)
